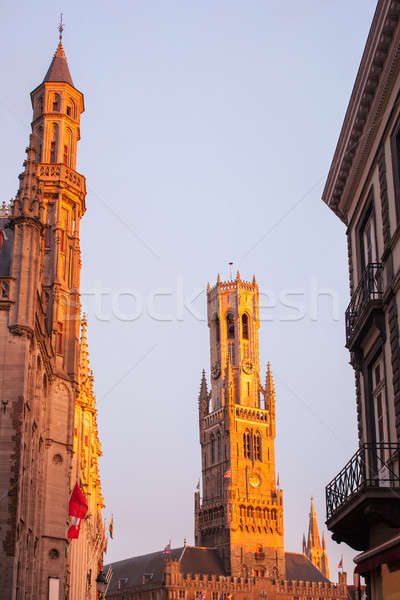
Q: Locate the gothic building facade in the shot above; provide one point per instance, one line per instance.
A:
(363, 190)
(41, 381)
(239, 545)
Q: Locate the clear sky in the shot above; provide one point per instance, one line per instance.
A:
(208, 133)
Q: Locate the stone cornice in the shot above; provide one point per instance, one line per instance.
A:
(378, 69)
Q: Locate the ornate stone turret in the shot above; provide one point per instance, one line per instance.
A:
(241, 512)
(86, 553)
(39, 334)
(315, 552)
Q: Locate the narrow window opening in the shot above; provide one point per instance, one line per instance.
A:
(230, 325)
(217, 330)
(245, 327)
(47, 238)
(59, 338)
(53, 152)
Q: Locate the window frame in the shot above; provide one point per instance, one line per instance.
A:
(367, 213)
(395, 156)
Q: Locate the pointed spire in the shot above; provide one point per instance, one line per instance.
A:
(254, 280)
(85, 375)
(229, 380)
(203, 396)
(208, 286)
(58, 70)
(269, 384)
(218, 279)
(238, 275)
(304, 544)
(323, 541)
(313, 534)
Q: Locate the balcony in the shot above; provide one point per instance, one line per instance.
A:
(366, 490)
(60, 173)
(365, 301)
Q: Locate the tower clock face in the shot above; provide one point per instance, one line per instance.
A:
(247, 367)
(255, 480)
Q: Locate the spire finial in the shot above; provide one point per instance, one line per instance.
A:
(61, 27)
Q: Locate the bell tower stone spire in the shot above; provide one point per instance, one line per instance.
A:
(314, 550)
(241, 511)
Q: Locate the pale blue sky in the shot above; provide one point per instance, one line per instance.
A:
(208, 133)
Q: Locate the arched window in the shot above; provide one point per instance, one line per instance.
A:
(245, 327)
(246, 444)
(230, 326)
(53, 144)
(56, 103)
(59, 342)
(39, 143)
(71, 108)
(257, 446)
(217, 330)
(212, 440)
(67, 155)
(219, 445)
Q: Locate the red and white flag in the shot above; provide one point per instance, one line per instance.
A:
(340, 565)
(77, 510)
(228, 474)
(167, 549)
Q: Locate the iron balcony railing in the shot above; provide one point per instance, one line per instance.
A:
(372, 466)
(368, 290)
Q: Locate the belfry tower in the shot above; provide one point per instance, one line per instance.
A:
(241, 511)
(39, 344)
(315, 551)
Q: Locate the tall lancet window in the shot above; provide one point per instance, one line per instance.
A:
(246, 445)
(230, 326)
(217, 330)
(54, 143)
(67, 157)
(245, 327)
(257, 446)
(212, 449)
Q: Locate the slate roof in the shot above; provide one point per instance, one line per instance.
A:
(300, 568)
(6, 247)
(58, 70)
(148, 569)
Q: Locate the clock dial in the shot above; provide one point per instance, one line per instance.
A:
(254, 480)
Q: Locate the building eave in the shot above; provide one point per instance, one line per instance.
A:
(365, 107)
